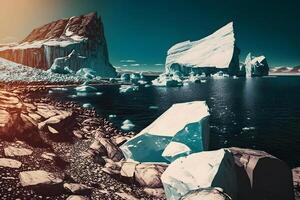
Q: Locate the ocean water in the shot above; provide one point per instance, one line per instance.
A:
(260, 113)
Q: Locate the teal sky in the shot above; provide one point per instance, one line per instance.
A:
(143, 31)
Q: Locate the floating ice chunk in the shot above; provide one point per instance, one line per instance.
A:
(85, 88)
(203, 81)
(128, 88)
(87, 105)
(186, 123)
(248, 128)
(166, 81)
(175, 150)
(200, 171)
(112, 116)
(153, 107)
(127, 125)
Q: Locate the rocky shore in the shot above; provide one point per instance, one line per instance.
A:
(58, 150)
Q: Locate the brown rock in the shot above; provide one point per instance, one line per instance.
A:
(148, 175)
(262, 176)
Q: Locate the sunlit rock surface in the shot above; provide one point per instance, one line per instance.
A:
(255, 66)
(201, 171)
(217, 50)
(84, 34)
(185, 123)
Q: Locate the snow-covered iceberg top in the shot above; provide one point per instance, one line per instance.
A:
(176, 118)
(181, 130)
(215, 50)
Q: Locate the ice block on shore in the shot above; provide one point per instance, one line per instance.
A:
(183, 124)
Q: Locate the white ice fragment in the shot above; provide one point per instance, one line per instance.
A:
(175, 150)
(200, 171)
(128, 88)
(186, 123)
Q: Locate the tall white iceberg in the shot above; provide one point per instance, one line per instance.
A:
(209, 55)
(204, 170)
(181, 130)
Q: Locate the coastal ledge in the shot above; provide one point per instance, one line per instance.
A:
(77, 147)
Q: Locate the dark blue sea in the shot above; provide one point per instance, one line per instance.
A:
(260, 113)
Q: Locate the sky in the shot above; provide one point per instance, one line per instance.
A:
(139, 32)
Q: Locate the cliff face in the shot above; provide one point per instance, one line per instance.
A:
(84, 34)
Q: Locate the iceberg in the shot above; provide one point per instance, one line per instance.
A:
(204, 170)
(183, 126)
(256, 66)
(166, 81)
(127, 125)
(209, 55)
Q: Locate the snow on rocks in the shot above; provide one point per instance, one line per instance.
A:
(213, 169)
(10, 163)
(185, 123)
(38, 177)
(14, 151)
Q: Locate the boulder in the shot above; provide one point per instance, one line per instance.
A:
(15, 151)
(113, 152)
(201, 171)
(38, 177)
(10, 163)
(76, 188)
(262, 176)
(128, 169)
(148, 175)
(126, 196)
(155, 192)
(160, 141)
(77, 197)
(58, 123)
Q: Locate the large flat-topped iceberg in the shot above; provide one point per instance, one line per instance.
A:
(217, 50)
(181, 130)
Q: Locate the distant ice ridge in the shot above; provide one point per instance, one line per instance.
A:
(181, 130)
(217, 50)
